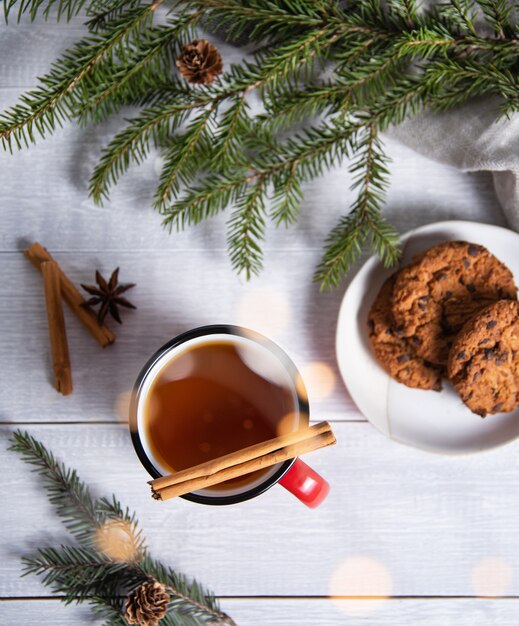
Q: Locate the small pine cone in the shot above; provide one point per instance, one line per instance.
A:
(147, 605)
(200, 62)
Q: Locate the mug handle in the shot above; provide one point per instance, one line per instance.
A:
(305, 484)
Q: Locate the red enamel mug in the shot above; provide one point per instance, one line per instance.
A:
(294, 475)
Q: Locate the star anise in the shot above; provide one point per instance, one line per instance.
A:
(108, 295)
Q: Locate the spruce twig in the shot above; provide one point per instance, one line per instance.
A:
(247, 229)
(70, 496)
(55, 100)
(157, 48)
(89, 572)
(364, 222)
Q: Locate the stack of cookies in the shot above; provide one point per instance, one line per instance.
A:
(452, 313)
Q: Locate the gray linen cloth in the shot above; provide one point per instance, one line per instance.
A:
(471, 139)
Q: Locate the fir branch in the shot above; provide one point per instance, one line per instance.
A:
(287, 197)
(457, 81)
(100, 12)
(62, 8)
(295, 59)
(357, 50)
(462, 14)
(311, 152)
(232, 131)
(71, 497)
(133, 144)
(278, 66)
(306, 157)
(205, 200)
(430, 44)
(407, 10)
(153, 88)
(109, 612)
(152, 127)
(111, 509)
(72, 571)
(297, 105)
(259, 19)
(498, 15)
(158, 48)
(51, 103)
(425, 44)
(202, 604)
(82, 515)
(408, 97)
(247, 230)
(364, 222)
(86, 574)
(362, 85)
(183, 159)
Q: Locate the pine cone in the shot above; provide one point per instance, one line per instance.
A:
(147, 604)
(200, 62)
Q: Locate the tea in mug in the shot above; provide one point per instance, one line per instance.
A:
(217, 397)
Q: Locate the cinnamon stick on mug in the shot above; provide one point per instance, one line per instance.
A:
(57, 331)
(241, 462)
(37, 255)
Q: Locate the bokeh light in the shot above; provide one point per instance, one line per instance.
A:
(365, 581)
(122, 406)
(118, 540)
(491, 577)
(319, 379)
(287, 424)
(264, 310)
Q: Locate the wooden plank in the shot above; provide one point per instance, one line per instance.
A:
(397, 522)
(301, 612)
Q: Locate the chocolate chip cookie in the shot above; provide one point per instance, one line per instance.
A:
(484, 360)
(394, 352)
(443, 288)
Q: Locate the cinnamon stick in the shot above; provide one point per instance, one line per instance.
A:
(57, 331)
(241, 462)
(245, 454)
(37, 255)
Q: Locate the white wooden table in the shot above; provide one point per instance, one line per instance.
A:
(405, 538)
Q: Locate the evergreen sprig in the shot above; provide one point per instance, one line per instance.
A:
(89, 572)
(364, 222)
(330, 77)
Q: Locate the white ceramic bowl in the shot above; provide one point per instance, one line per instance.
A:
(438, 422)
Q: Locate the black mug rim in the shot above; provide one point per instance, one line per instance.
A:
(200, 331)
